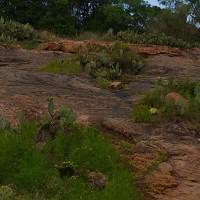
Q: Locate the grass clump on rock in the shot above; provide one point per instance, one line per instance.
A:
(114, 63)
(171, 99)
(66, 65)
(57, 159)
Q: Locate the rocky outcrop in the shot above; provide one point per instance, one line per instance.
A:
(184, 160)
(97, 180)
(165, 157)
(175, 97)
(165, 167)
(70, 46)
(167, 163)
(157, 49)
(123, 126)
(2, 47)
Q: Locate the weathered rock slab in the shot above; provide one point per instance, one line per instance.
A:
(167, 153)
(70, 46)
(165, 167)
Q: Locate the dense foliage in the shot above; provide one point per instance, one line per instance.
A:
(56, 159)
(11, 31)
(105, 64)
(178, 18)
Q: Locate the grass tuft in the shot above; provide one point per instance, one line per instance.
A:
(67, 65)
(33, 173)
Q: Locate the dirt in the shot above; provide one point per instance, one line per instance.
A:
(165, 156)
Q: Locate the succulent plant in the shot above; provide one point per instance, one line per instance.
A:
(153, 38)
(139, 65)
(5, 124)
(58, 121)
(6, 193)
(197, 93)
(197, 89)
(11, 31)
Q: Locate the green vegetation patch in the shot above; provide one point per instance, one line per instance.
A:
(53, 160)
(102, 82)
(66, 65)
(11, 31)
(154, 38)
(29, 44)
(170, 99)
(114, 63)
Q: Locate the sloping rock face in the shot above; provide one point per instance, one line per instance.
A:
(184, 159)
(165, 156)
(175, 167)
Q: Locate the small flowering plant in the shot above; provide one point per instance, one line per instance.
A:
(160, 81)
(141, 113)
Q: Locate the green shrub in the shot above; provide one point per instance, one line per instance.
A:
(102, 82)
(37, 172)
(11, 31)
(141, 113)
(155, 99)
(107, 65)
(13, 146)
(67, 65)
(112, 64)
(129, 61)
(169, 109)
(153, 38)
(33, 171)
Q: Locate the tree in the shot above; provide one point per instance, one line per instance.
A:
(139, 11)
(171, 4)
(115, 17)
(23, 11)
(58, 18)
(192, 5)
(175, 20)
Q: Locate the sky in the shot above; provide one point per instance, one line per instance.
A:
(153, 2)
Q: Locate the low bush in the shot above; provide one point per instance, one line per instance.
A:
(11, 31)
(25, 35)
(113, 64)
(155, 105)
(153, 38)
(52, 160)
(67, 65)
(110, 64)
(141, 113)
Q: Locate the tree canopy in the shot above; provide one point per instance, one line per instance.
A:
(178, 18)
